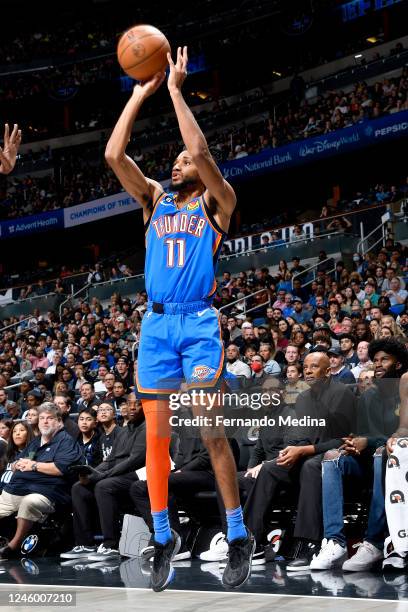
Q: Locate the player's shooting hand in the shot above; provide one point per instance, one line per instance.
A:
(8, 154)
(147, 88)
(178, 70)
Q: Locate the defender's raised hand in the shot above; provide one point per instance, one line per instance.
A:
(178, 70)
(8, 154)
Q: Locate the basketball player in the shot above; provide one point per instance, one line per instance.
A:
(180, 336)
(8, 154)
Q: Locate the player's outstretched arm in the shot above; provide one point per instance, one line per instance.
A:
(143, 189)
(8, 154)
(196, 144)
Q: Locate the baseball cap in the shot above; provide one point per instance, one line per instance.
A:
(335, 351)
(297, 299)
(319, 348)
(39, 370)
(323, 326)
(36, 393)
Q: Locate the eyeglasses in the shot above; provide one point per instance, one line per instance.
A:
(105, 410)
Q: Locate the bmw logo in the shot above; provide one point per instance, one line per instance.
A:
(30, 567)
(29, 543)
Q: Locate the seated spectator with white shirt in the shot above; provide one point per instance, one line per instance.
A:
(235, 365)
(363, 359)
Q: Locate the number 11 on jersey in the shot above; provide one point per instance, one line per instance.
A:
(181, 252)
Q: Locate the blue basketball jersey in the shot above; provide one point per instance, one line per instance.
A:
(182, 250)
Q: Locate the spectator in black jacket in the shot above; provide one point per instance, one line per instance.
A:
(89, 437)
(64, 405)
(192, 473)
(106, 490)
(326, 414)
(268, 446)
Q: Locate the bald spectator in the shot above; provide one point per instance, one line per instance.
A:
(235, 365)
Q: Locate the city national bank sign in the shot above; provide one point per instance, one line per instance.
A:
(313, 149)
(342, 141)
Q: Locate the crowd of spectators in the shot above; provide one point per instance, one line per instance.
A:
(82, 180)
(43, 279)
(83, 363)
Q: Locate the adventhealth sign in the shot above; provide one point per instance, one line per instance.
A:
(30, 225)
(269, 160)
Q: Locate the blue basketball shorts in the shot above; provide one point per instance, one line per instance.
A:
(181, 344)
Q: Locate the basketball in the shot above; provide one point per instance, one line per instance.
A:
(142, 51)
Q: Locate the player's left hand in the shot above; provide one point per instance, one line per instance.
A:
(178, 70)
(8, 154)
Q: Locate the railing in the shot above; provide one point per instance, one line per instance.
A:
(369, 242)
(71, 297)
(124, 279)
(247, 297)
(314, 267)
(287, 245)
(72, 277)
(2, 329)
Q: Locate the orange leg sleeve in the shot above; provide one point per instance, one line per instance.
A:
(158, 435)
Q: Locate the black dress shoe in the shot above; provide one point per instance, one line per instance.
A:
(302, 561)
(9, 553)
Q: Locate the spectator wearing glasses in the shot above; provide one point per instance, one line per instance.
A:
(109, 382)
(110, 429)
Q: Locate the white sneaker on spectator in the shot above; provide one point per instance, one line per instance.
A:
(78, 552)
(393, 560)
(218, 549)
(331, 555)
(366, 556)
(213, 568)
(104, 553)
(147, 552)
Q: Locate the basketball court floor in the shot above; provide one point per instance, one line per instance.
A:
(119, 586)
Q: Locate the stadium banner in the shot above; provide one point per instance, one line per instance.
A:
(347, 139)
(96, 210)
(42, 222)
